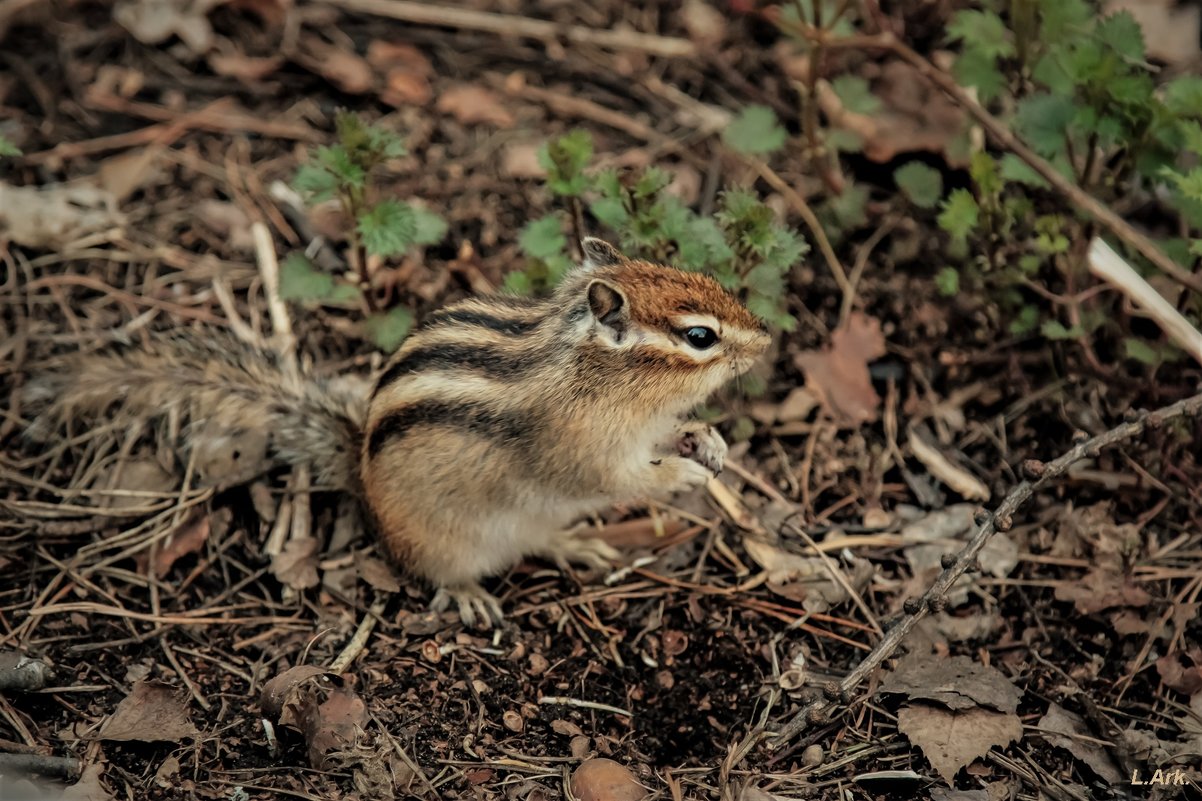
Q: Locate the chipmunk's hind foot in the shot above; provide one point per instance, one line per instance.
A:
(475, 605)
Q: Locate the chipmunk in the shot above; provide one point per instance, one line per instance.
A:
(498, 423)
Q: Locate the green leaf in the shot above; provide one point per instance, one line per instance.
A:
(610, 211)
(1012, 168)
(388, 228)
(7, 148)
(338, 161)
(848, 207)
(1183, 95)
(1140, 351)
(947, 281)
(543, 238)
(1026, 321)
(316, 182)
(979, 70)
(388, 330)
(922, 184)
(564, 159)
(430, 228)
(855, 95)
(519, 283)
(983, 31)
(960, 214)
(756, 130)
(300, 280)
(1121, 33)
(844, 141)
(1055, 330)
(1063, 19)
(984, 172)
(1042, 120)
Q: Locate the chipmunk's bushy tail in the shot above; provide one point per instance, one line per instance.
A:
(219, 386)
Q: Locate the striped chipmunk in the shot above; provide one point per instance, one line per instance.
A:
(499, 423)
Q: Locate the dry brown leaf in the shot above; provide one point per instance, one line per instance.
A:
(188, 538)
(406, 72)
(520, 160)
(278, 688)
(377, 573)
(153, 712)
(839, 374)
(55, 215)
(1182, 670)
(135, 475)
(705, 24)
(155, 21)
(335, 725)
(296, 565)
(1102, 589)
(472, 104)
(248, 69)
(805, 578)
(311, 700)
(957, 682)
(944, 469)
(228, 221)
(1067, 730)
(951, 740)
(89, 787)
(600, 779)
(124, 174)
(346, 70)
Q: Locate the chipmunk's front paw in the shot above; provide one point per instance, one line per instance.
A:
(475, 604)
(702, 444)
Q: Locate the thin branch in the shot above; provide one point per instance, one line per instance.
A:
(426, 13)
(1042, 474)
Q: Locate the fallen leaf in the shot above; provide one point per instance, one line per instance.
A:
(228, 221)
(472, 104)
(377, 573)
(155, 21)
(946, 794)
(520, 160)
(705, 24)
(248, 69)
(1102, 589)
(1092, 531)
(1182, 670)
(601, 779)
(406, 72)
(55, 215)
(797, 405)
(956, 682)
(89, 787)
(153, 712)
(839, 374)
(309, 699)
(1067, 730)
(296, 565)
(944, 469)
(128, 172)
(346, 70)
(806, 578)
(188, 538)
(951, 740)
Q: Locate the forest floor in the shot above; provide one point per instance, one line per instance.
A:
(1068, 657)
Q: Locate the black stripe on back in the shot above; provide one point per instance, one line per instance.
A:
(502, 427)
(449, 356)
(509, 327)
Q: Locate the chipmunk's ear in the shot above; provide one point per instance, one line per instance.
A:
(609, 307)
(599, 253)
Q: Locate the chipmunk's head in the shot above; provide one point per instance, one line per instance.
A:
(680, 329)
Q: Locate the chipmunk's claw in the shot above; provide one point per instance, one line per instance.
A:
(475, 605)
(702, 444)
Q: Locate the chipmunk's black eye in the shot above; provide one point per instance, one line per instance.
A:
(700, 337)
